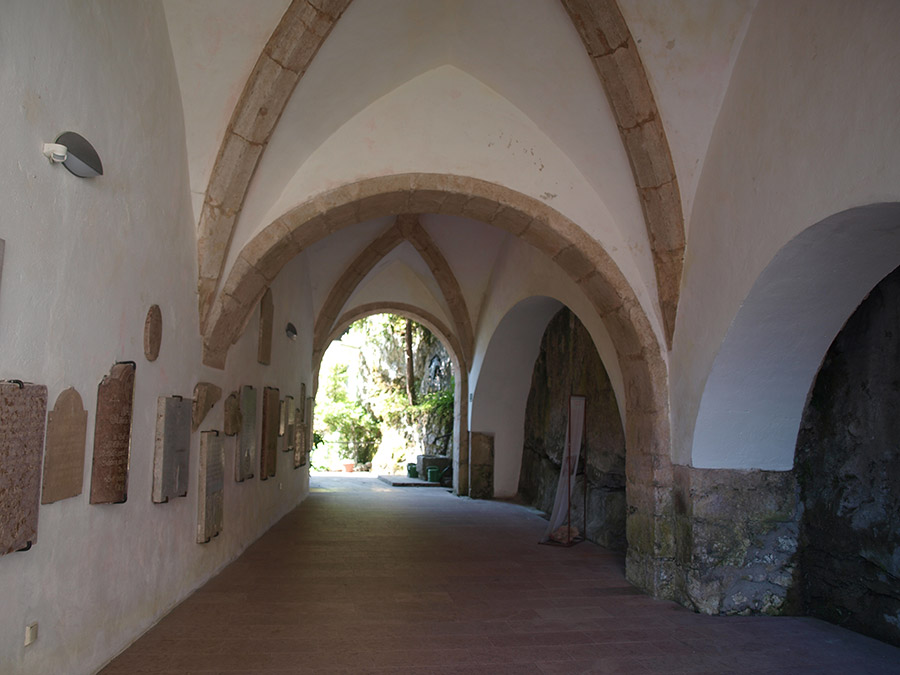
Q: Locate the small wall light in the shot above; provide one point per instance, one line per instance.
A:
(75, 153)
(56, 152)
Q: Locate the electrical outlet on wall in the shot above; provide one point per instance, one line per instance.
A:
(31, 632)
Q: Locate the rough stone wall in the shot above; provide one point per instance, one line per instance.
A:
(848, 468)
(434, 372)
(568, 365)
(736, 534)
(481, 466)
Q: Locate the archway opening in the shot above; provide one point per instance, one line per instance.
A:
(568, 364)
(386, 401)
(848, 468)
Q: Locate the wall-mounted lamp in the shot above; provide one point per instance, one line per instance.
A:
(75, 153)
(56, 152)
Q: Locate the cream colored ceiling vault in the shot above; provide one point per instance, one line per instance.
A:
(264, 90)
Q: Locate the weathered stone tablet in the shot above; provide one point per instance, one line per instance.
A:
(246, 445)
(152, 333)
(282, 417)
(290, 422)
(268, 454)
(23, 409)
(232, 414)
(211, 486)
(112, 435)
(266, 322)
(172, 448)
(206, 395)
(301, 419)
(64, 455)
(300, 444)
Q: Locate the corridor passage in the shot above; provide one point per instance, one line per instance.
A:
(367, 578)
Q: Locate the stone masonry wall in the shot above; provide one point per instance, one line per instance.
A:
(848, 468)
(736, 539)
(568, 365)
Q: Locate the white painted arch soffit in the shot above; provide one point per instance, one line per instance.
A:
(755, 394)
(445, 121)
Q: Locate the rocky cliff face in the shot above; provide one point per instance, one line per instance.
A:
(568, 365)
(848, 468)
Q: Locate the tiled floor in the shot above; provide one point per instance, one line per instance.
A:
(366, 578)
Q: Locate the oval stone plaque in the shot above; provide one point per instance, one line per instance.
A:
(152, 333)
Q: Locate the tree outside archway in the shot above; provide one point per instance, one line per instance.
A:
(387, 396)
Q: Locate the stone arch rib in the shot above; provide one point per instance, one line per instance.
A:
(650, 561)
(615, 56)
(427, 248)
(406, 227)
(304, 27)
(431, 322)
(283, 61)
(343, 288)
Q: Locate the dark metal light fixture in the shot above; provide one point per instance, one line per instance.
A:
(74, 152)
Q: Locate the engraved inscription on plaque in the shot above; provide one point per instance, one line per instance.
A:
(301, 418)
(268, 452)
(246, 445)
(171, 449)
(23, 409)
(289, 423)
(232, 414)
(211, 484)
(152, 333)
(266, 320)
(206, 395)
(112, 435)
(300, 449)
(64, 455)
(282, 417)
(308, 419)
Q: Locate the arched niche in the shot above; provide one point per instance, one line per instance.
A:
(753, 400)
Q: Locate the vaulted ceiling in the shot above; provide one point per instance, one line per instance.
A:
(603, 111)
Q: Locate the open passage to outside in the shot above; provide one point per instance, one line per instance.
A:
(385, 396)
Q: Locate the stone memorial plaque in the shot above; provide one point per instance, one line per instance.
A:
(232, 414)
(172, 448)
(308, 419)
(266, 321)
(206, 395)
(23, 408)
(302, 417)
(152, 333)
(112, 435)
(268, 450)
(211, 486)
(64, 455)
(246, 445)
(290, 422)
(300, 448)
(282, 417)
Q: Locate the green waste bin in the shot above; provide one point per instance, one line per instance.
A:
(411, 470)
(434, 474)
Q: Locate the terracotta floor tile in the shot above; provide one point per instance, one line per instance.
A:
(362, 578)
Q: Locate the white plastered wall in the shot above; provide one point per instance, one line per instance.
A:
(84, 261)
(808, 129)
